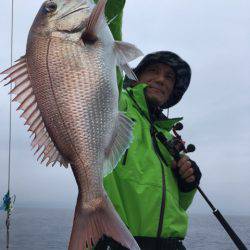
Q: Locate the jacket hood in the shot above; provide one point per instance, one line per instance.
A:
(180, 67)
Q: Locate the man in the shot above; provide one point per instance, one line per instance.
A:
(149, 190)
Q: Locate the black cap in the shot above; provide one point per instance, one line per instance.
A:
(181, 68)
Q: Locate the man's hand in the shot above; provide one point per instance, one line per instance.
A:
(185, 169)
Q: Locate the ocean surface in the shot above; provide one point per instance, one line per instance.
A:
(45, 229)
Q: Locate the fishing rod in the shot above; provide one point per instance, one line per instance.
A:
(175, 147)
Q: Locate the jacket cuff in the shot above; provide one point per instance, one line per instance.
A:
(185, 186)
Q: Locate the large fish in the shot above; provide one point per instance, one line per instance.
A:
(66, 86)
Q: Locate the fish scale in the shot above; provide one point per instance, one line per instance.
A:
(86, 96)
(37, 61)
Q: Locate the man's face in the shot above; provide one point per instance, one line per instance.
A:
(160, 79)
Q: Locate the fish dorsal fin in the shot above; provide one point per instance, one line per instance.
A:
(122, 136)
(24, 94)
(94, 22)
(126, 52)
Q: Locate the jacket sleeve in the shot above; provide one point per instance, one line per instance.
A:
(114, 10)
(186, 198)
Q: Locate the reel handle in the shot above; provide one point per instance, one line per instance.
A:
(179, 143)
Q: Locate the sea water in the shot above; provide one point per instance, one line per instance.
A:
(47, 229)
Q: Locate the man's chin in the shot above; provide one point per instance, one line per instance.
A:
(153, 100)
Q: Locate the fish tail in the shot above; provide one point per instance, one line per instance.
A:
(94, 219)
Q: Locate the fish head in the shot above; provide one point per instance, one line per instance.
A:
(63, 18)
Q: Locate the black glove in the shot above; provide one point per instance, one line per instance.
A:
(189, 186)
(106, 241)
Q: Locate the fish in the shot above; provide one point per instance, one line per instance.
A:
(67, 92)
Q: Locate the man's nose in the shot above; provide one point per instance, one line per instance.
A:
(160, 78)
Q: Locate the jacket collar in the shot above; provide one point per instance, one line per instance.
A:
(138, 95)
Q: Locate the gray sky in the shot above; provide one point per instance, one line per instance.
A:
(213, 36)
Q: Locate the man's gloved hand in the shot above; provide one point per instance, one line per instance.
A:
(187, 173)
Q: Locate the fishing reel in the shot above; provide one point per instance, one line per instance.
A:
(177, 141)
(176, 145)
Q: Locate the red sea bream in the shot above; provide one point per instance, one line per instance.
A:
(67, 89)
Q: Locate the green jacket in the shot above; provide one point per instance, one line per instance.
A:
(142, 188)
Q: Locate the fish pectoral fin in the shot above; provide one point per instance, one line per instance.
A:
(121, 138)
(126, 52)
(94, 22)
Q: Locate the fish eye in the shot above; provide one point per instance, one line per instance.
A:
(51, 7)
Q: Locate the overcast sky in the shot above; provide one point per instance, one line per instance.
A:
(213, 37)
